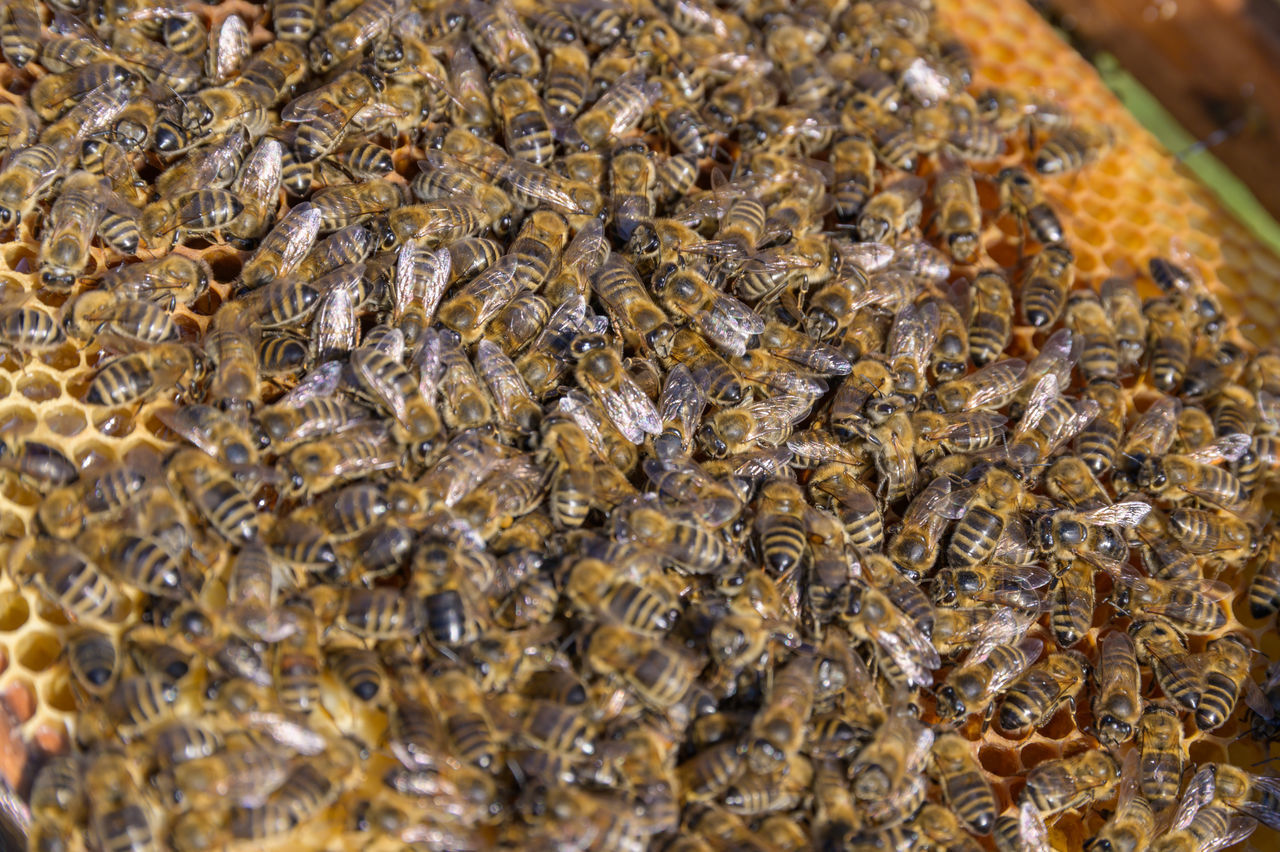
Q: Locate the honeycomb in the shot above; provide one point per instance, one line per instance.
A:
(1132, 204)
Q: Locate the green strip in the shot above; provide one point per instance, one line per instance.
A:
(1235, 196)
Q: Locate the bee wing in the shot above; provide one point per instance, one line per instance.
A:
(580, 409)
(390, 344)
(1199, 792)
(1238, 830)
(634, 105)
(588, 249)
(1257, 700)
(500, 374)
(681, 400)
(259, 177)
(731, 320)
(922, 259)
(293, 236)
(228, 47)
(395, 402)
(936, 498)
(1269, 408)
(866, 257)
(816, 356)
(538, 183)
(1031, 828)
(1056, 356)
(904, 646)
(821, 449)
(312, 105)
(1227, 448)
(926, 83)
(761, 463)
(1157, 425)
(1046, 391)
(915, 329)
(420, 275)
(1008, 374)
(335, 324)
(426, 358)
(1128, 514)
(321, 382)
(287, 732)
(189, 422)
(775, 416)
(1261, 802)
(631, 411)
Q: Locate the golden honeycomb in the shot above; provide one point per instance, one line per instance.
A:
(1133, 204)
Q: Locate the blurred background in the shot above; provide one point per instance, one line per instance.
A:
(1204, 77)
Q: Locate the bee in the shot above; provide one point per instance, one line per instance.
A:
(1226, 669)
(617, 111)
(142, 375)
(1071, 782)
(722, 319)
(1133, 821)
(982, 676)
(1047, 281)
(959, 216)
(27, 176)
(1169, 341)
(1176, 477)
(69, 580)
(216, 494)
(1255, 796)
(686, 542)
(892, 763)
(1069, 149)
(565, 87)
(990, 387)
(1032, 700)
(641, 322)
(990, 317)
(894, 210)
(365, 23)
(1264, 587)
(526, 127)
(502, 39)
(393, 388)
(1116, 705)
(324, 115)
(1162, 646)
(1020, 196)
(904, 647)
(656, 673)
(777, 729)
(26, 328)
(768, 423)
(592, 589)
(94, 660)
(964, 788)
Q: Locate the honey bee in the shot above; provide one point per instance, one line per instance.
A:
(1071, 782)
(67, 577)
(1226, 669)
(768, 423)
(142, 375)
(1033, 699)
(1177, 477)
(1255, 796)
(1162, 645)
(617, 111)
(983, 675)
(959, 216)
(1264, 588)
(215, 494)
(657, 673)
(1020, 196)
(894, 210)
(526, 127)
(27, 176)
(685, 541)
(964, 788)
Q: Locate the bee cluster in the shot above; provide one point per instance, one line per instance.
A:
(606, 424)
